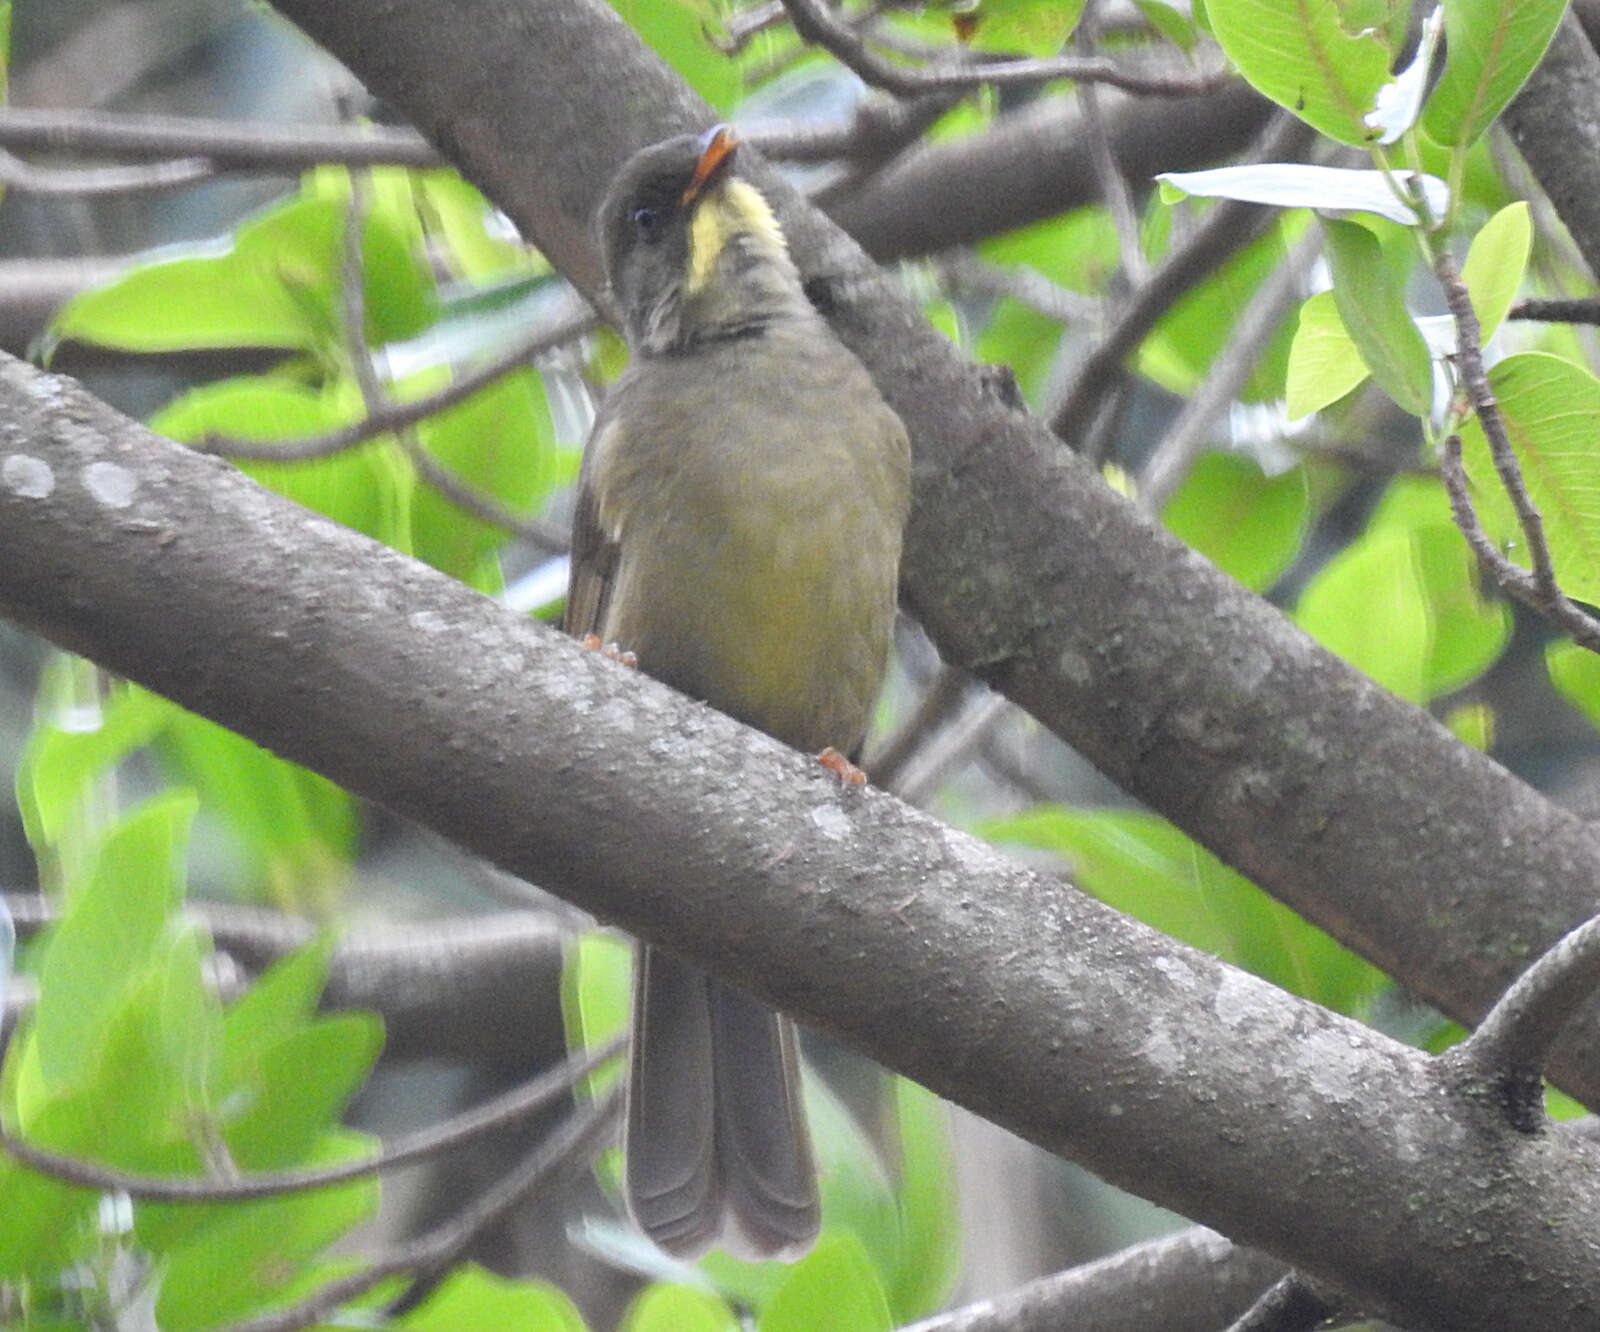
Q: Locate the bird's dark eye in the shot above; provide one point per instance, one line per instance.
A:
(648, 223)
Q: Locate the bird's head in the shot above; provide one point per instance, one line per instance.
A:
(693, 253)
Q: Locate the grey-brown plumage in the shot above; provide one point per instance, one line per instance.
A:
(738, 529)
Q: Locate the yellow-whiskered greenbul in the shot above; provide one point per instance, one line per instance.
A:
(738, 529)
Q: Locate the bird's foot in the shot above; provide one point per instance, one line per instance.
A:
(611, 650)
(841, 767)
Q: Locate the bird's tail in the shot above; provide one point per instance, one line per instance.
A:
(716, 1148)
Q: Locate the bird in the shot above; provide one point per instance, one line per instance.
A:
(738, 528)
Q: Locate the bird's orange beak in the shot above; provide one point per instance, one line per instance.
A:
(716, 153)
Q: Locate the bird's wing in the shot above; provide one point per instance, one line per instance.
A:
(594, 549)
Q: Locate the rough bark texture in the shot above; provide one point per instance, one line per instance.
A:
(1167, 1072)
(1555, 123)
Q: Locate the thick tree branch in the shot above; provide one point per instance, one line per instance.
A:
(1193, 1281)
(1555, 123)
(1160, 1068)
(1194, 695)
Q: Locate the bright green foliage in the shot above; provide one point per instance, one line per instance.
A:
(831, 1289)
(276, 284)
(1402, 602)
(1170, 22)
(1372, 309)
(668, 1308)
(930, 1231)
(1324, 362)
(1023, 27)
(677, 31)
(1248, 524)
(1185, 341)
(129, 1059)
(471, 1298)
(1493, 45)
(1311, 58)
(596, 985)
(1496, 265)
(1551, 409)
(1147, 868)
(1575, 671)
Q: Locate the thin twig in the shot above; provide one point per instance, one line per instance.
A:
(1026, 285)
(740, 28)
(223, 143)
(951, 746)
(1196, 424)
(1576, 311)
(507, 1108)
(817, 24)
(879, 129)
(1475, 380)
(940, 702)
(1114, 191)
(377, 403)
(1290, 1304)
(1536, 586)
(1512, 579)
(582, 1131)
(86, 182)
(567, 326)
(1226, 228)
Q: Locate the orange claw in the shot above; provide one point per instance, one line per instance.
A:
(611, 650)
(841, 767)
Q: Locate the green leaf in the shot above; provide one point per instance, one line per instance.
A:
(1472, 724)
(1024, 27)
(1304, 58)
(298, 1089)
(110, 926)
(1324, 362)
(1299, 185)
(1171, 22)
(1248, 524)
(276, 284)
(831, 1289)
(224, 304)
(1491, 48)
(596, 997)
(1575, 672)
(1147, 868)
(676, 31)
(1369, 606)
(1180, 349)
(473, 239)
(1551, 409)
(501, 443)
(282, 1001)
(366, 488)
(294, 831)
(240, 1256)
(471, 1298)
(664, 1307)
(1372, 309)
(59, 762)
(1495, 264)
(930, 1221)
